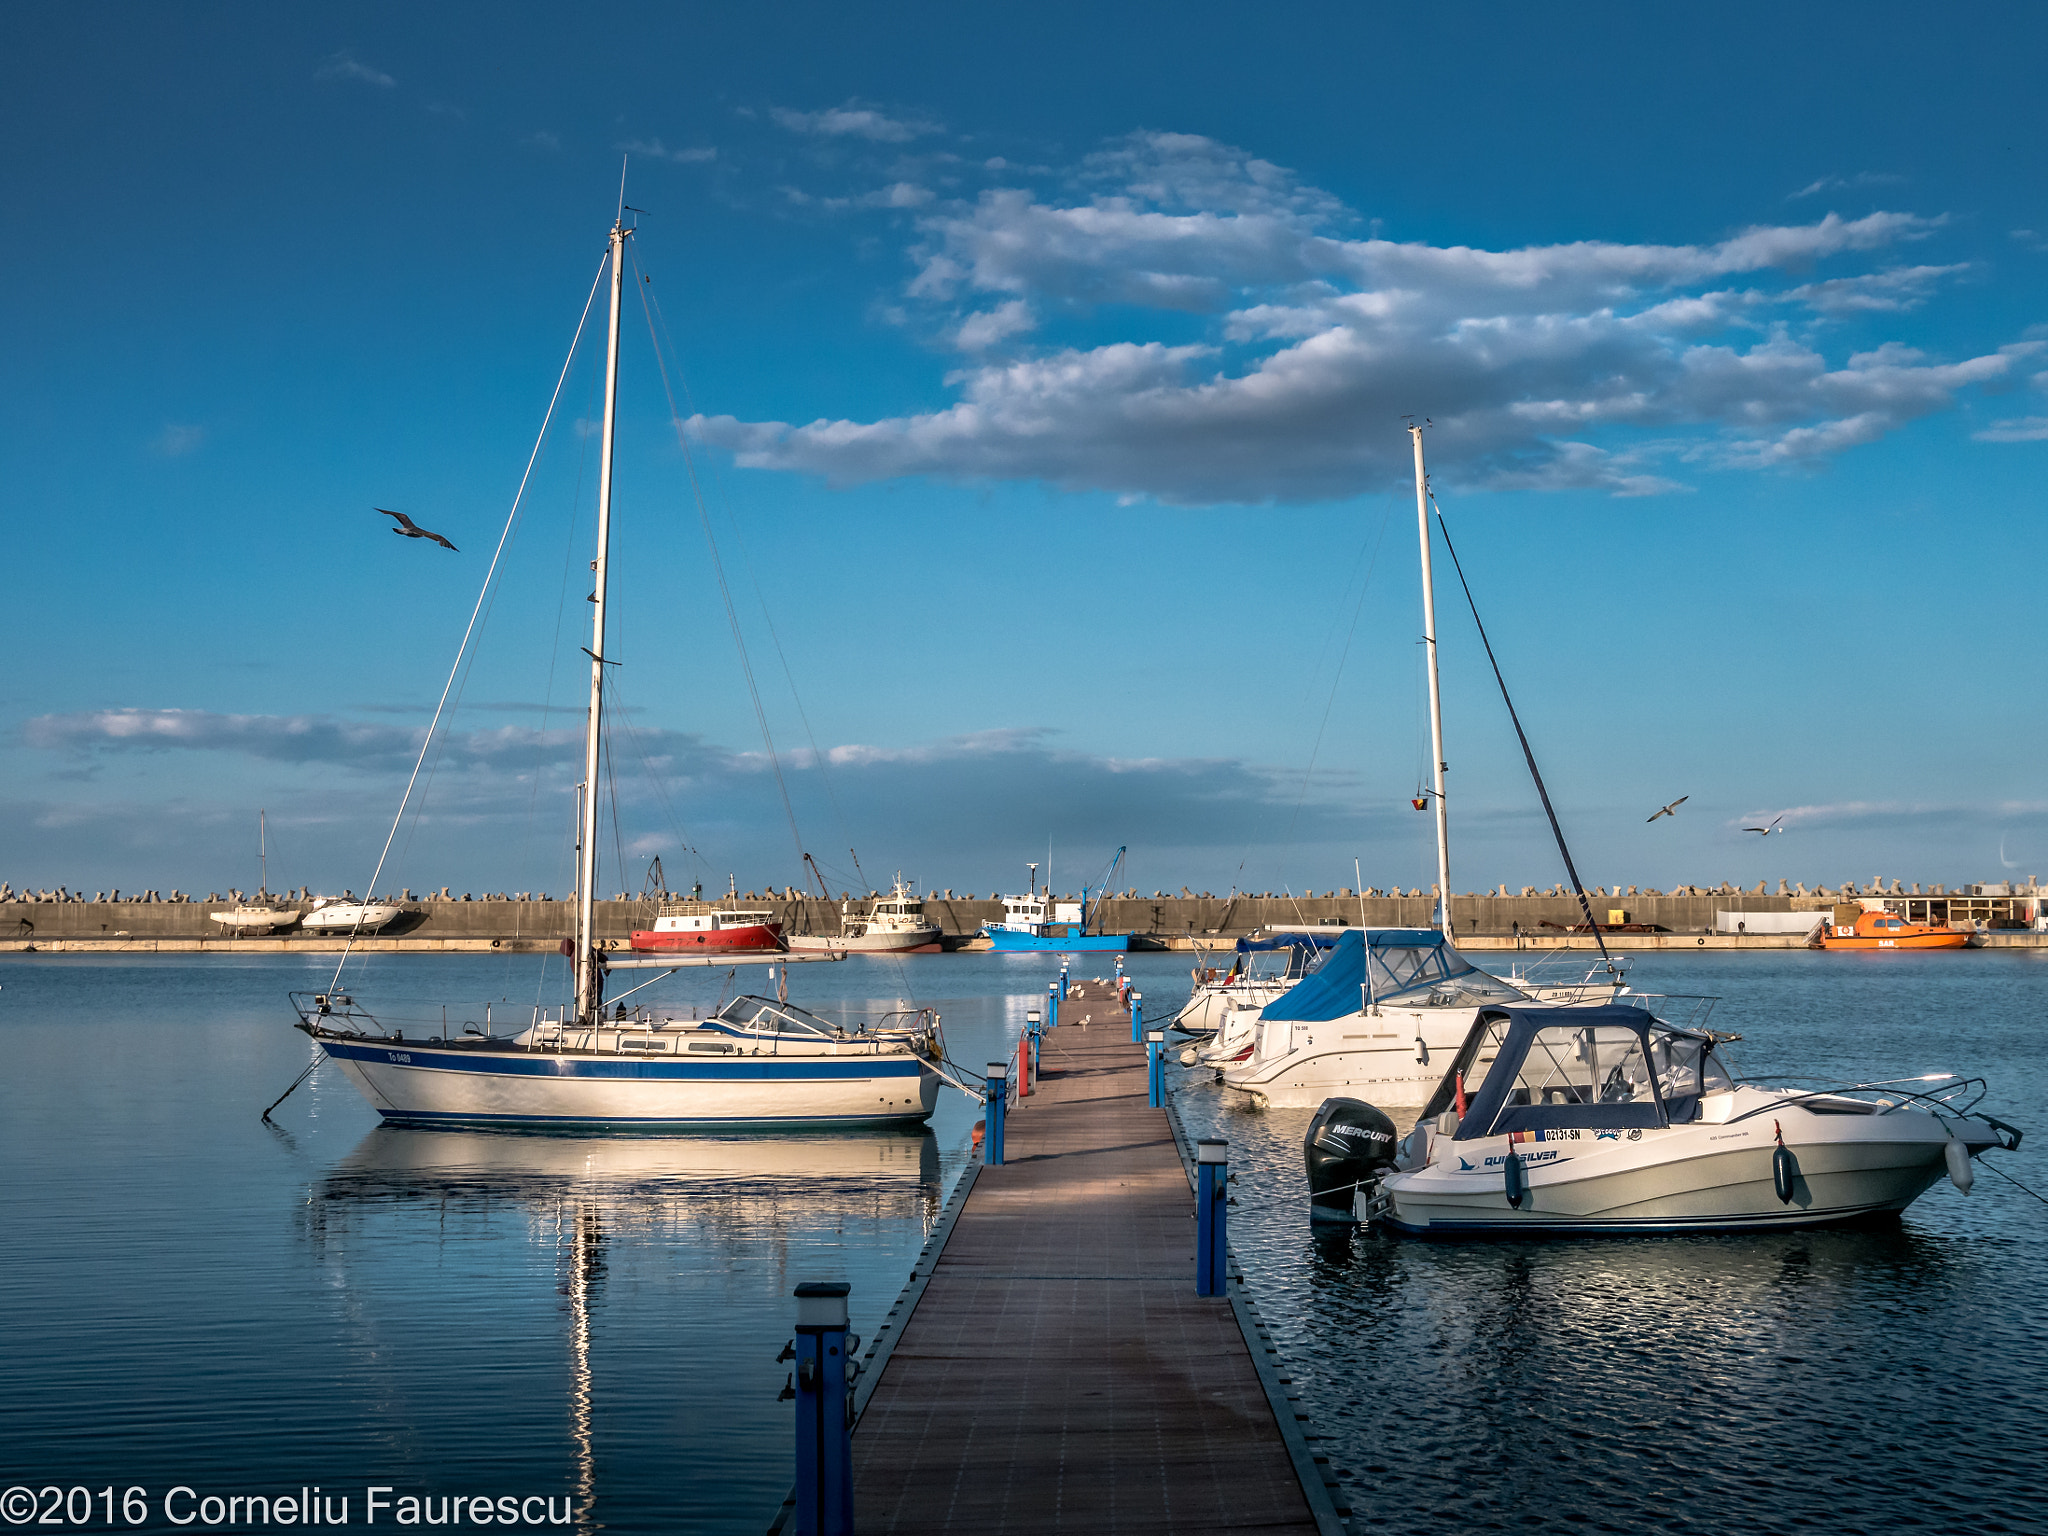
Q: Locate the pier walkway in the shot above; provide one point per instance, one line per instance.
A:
(1059, 1374)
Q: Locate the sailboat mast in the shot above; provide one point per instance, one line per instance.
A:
(588, 996)
(263, 848)
(1436, 697)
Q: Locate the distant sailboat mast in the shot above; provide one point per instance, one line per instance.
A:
(589, 983)
(1436, 697)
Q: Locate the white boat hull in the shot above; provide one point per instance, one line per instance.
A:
(1372, 1057)
(255, 919)
(424, 1085)
(1209, 1004)
(1682, 1178)
(350, 917)
(913, 942)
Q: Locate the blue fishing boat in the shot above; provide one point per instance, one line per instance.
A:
(1038, 922)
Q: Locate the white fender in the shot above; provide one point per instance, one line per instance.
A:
(1960, 1173)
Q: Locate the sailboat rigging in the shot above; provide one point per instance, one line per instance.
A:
(755, 1060)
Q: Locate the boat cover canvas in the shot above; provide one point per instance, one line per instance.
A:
(1489, 1114)
(1288, 941)
(1403, 960)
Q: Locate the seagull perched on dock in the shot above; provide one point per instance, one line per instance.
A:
(1767, 831)
(1673, 806)
(413, 530)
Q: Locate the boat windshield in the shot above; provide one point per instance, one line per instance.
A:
(1398, 967)
(761, 1016)
(1598, 1077)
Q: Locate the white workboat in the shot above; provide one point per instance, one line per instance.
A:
(756, 1062)
(1608, 1119)
(894, 925)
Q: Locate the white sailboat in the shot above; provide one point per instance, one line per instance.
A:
(756, 1061)
(1378, 1016)
(264, 914)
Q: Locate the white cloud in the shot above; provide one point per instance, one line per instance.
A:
(980, 331)
(344, 65)
(1845, 183)
(654, 149)
(2015, 429)
(1586, 364)
(178, 439)
(854, 121)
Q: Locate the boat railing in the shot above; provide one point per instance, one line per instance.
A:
(1942, 1091)
(1681, 1010)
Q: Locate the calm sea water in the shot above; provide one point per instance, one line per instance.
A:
(189, 1297)
(1850, 1381)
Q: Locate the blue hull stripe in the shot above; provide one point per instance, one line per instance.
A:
(1623, 1227)
(1021, 941)
(651, 1122)
(729, 1069)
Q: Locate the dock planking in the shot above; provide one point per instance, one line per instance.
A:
(1059, 1372)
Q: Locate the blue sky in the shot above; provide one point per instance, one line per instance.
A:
(1045, 376)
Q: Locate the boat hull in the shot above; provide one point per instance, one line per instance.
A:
(412, 1084)
(750, 937)
(871, 943)
(350, 918)
(1953, 938)
(1680, 1180)
(1009, 940)
(1388, 1072)
(254, 920)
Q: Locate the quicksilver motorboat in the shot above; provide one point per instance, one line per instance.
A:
(1608, 1119)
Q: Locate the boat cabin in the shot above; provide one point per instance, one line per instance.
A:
(703, 917)
(1567, 1073)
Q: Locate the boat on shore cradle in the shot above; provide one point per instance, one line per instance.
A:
(894, 924)
(344, 914)
(263, 913)
(1882, 930)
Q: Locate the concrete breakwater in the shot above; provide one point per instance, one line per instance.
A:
(538, 924)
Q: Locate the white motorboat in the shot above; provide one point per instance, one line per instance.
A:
(756, 1062)
(344, 914)
(1262, 971)
(1608, 1119)
(894, 925)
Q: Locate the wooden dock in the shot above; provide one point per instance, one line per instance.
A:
(1051, 1369)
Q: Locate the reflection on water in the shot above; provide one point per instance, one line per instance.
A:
(1859, 1379)
(582, 1199)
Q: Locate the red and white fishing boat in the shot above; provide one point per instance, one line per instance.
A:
(704, 927)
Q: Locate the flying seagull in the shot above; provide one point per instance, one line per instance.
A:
(413, 530)
(1767, 831)
(1674, 805)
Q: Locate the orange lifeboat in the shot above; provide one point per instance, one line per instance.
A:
(1882, 930)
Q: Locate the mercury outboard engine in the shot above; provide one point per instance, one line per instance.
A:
(1349, 1143)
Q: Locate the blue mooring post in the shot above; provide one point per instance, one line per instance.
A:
(1052, 1007)
(1155, 1068)
(824, 1416)
(1063, 981)
(1137, 1018)
(996, 1098)
(1212, 1237)
(1034, 1021)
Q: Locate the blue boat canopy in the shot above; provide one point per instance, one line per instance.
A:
(1385, 965)
(1290, 941)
